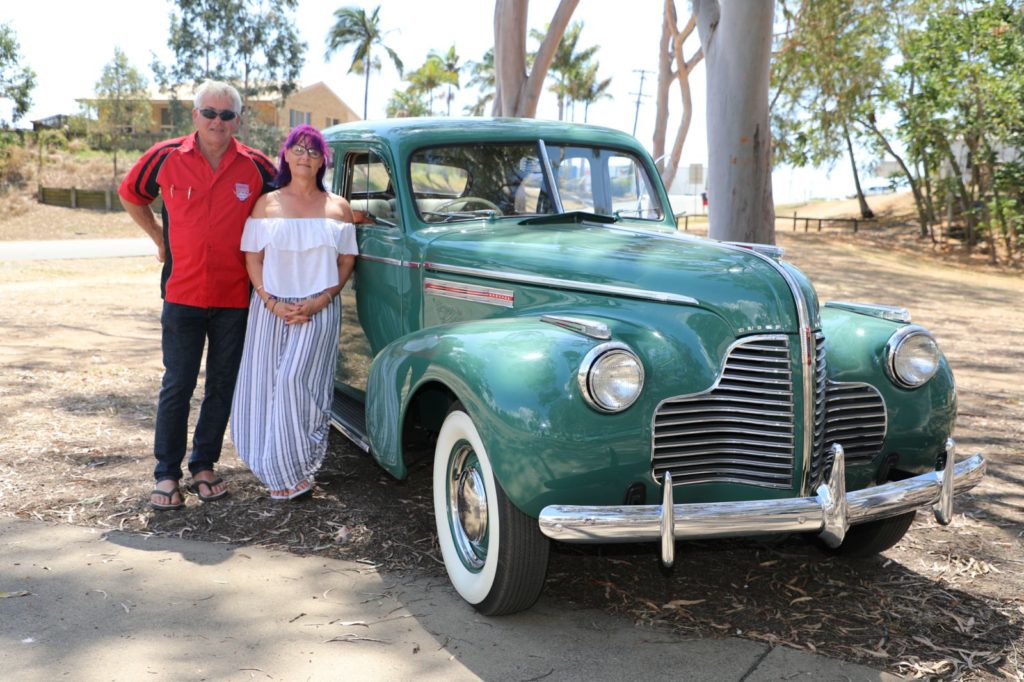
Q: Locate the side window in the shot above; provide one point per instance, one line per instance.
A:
(367, 186)
(632, 195)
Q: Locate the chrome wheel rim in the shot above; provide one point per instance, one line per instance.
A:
(467, 506)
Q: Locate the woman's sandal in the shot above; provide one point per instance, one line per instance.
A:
(168, 495)
(196, 487)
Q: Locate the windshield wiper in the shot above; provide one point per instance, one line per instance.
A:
(577, 217)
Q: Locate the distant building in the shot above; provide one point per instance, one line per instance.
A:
(315, 104)
(55, 122)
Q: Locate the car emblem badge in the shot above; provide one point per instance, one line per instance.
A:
(241, 191)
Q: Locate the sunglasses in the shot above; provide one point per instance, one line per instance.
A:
(211, 113)
(299, 150)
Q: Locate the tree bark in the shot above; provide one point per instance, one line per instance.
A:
(922, 211)
(736, 38)
(518, 92)
(674, 40)
(865, 211)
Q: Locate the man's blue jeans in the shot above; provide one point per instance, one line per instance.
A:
(186, 330)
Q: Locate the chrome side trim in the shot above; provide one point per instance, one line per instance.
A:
(884, 312)
(567, 284)
(829, 513)
(595, 330)
(356, 439)
(390, 261)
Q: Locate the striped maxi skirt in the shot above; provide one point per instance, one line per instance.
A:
(281, 409)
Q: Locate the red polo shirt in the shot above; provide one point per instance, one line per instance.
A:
(203, 216)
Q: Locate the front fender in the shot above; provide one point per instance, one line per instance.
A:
(518, 380)
(918, 420)
(509, 374)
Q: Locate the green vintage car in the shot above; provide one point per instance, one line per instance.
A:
(526, 313)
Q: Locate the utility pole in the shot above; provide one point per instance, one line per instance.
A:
(639, 93)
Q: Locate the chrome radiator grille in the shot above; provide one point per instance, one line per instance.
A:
(818, 450)
(739, 431)
(856, 420)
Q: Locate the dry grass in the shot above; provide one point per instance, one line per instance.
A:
(82, 369)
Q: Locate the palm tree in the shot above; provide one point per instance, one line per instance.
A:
(586, 88)
(450, 61)
(430, 77)
(566, 62)
(353, 27)
(482, 76)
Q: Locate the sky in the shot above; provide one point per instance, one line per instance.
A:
(68, 56)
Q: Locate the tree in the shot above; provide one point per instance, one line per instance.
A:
(673, 66)
(430, 77)
(736, 38)
(517, 91)
(587, 89)
(16, 79)
(353, 27)
(567, 64)
(482, 76)
(122, 102)
(251, 43)
(450, 61)
(827, 73)
(406, 104)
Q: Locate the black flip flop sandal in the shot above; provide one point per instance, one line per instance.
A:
(168, 495)
(196, 487)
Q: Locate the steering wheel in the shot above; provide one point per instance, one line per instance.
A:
(467, 204)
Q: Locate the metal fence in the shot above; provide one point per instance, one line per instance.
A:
(94, 199)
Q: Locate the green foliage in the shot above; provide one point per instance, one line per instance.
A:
(15, 161)
(483, 77)
(409, 103)
(353, 27)
(571, 69)
(266, 138)
(251, 43)
(433, 74)
(938, 85)
(16, 79)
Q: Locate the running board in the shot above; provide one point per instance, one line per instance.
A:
(348, 415)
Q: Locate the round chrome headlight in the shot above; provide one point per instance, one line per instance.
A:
(611, 377)
(912, 356)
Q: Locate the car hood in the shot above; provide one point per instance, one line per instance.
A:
(742, 287)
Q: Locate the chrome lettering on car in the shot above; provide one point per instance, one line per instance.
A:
(469, 292)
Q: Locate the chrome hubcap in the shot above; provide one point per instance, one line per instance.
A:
(467, 506)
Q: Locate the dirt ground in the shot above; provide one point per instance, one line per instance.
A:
(81, 370)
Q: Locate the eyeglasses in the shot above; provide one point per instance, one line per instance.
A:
(211, 113)
(299, 150)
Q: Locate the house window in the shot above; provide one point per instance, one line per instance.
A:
(297, 118)
(165, 118)
(328, 122)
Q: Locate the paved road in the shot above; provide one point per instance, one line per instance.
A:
(76, 248)
(80, 604)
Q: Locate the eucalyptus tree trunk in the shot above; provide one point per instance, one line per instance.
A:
(518, 92)
(671, 52)
(865, 211)
(736, 38)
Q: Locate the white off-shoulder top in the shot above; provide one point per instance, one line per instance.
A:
(300, 254)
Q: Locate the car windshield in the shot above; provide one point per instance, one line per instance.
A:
(465, 182)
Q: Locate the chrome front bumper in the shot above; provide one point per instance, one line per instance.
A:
(830, 513)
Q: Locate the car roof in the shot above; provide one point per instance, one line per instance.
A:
(416, 132)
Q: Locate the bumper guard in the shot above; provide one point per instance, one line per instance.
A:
(830, 513)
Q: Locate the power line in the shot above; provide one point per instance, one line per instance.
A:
(639, 94)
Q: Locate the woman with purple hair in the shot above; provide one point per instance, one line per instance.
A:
(300, 249)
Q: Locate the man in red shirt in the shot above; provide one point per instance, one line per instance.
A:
(209, 182)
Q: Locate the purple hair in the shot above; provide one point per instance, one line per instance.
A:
(313, 139)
